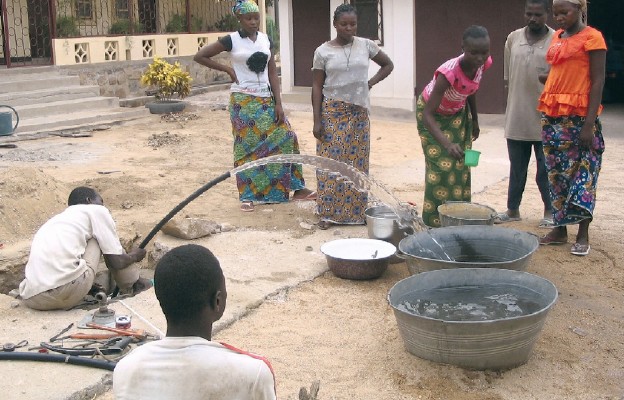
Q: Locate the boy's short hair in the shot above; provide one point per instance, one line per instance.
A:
(475, 32)
(80, 195)
(186, 280)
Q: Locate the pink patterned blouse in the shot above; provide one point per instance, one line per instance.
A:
(455, 97)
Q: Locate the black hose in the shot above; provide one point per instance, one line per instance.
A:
(74, 360)
(180, 206)
(173, 212)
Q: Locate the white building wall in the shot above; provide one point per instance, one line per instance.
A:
(396, 91)
(286, 45)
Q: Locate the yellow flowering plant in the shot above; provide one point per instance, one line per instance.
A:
(168, 79)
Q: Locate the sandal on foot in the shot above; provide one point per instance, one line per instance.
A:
(503, 217)
(324, 225)
(580, 249)
(311, 196)
(247, 206)
(547, 239)
(546, 223)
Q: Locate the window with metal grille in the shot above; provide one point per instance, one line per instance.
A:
(84, 9)
(370, 19)
(122, 9)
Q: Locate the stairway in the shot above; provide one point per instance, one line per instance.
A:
(48, 101)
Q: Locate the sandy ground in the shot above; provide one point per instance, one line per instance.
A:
(341, 333)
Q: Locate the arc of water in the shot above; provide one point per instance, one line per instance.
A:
(361, 181)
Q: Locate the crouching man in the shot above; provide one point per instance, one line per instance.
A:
(187, 364)
(66, 250)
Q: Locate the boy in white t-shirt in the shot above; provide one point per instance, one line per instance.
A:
(66, 250)
(187, 364)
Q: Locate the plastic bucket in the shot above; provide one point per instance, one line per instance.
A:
(471, 157)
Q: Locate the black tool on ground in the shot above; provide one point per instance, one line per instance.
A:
(176, 210)
(12, 346)
(55, 337)
(114, 346)
(7, 145)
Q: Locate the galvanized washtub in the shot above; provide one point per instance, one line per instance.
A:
(486, 344)
(473, 246)
(454, 213)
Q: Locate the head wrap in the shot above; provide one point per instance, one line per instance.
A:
(582, 4)
(245, 7)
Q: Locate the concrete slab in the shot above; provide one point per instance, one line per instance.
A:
(248, 282)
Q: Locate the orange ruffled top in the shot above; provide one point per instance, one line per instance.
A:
(567, 89)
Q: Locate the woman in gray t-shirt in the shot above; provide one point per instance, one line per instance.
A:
(340, 102)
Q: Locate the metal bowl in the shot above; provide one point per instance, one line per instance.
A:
(358, 259)
(474, 246)
(454, 213)
(490, 343)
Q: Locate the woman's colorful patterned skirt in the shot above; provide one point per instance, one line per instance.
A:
(346, 138)
(256, 135)
(572, 169)
(446, 179)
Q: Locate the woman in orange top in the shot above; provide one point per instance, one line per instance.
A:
(571, 131)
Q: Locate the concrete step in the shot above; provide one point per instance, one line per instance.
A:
(42, 126)
(23, 83)
(65, 106)
(7, 78)
(18, 71)
(49, 95)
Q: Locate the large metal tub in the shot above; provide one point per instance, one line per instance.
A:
(491, 344)
(473, 246)
(454, 213)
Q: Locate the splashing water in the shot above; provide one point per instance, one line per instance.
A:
(408, 217)
(360, 180)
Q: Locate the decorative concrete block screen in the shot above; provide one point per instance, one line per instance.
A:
(172, 46)
(148, 48)
(81, 53)
(111, 51)
(201, 42)
(90, 50)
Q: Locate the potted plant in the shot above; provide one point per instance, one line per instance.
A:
(168, 81)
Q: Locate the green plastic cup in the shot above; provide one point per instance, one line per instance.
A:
(471, 157)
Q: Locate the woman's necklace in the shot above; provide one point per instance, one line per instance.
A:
(348, 57)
